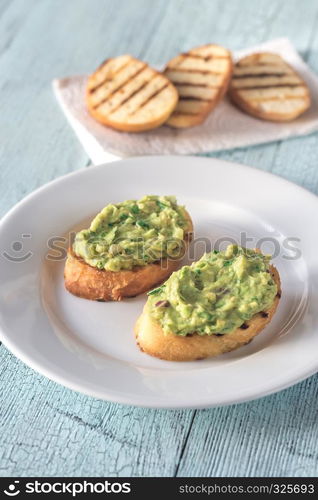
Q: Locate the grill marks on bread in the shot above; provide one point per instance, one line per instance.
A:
(127, 94)
(265, 86)
(201, 77)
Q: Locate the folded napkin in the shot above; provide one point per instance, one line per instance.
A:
(225, 128)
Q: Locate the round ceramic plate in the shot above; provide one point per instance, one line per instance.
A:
(90, 346)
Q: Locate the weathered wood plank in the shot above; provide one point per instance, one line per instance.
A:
(274, 436)
(12, 17)
(49, 430)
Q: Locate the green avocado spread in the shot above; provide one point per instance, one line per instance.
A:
(133, 233)
(215, 295)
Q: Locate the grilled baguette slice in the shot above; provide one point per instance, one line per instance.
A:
(265, 86)
(201, 77)
(152, 340)
(126, 94)
(88, 282)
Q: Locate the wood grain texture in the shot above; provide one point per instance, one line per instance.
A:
(46, 429)
(49, 430)
(274, 436)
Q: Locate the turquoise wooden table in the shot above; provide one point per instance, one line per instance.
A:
(45, 428)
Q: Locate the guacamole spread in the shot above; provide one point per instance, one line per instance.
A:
(215, 295)
(133, 233)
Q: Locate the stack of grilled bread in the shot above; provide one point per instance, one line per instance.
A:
(128, 95)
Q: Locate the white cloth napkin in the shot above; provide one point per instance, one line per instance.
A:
(225, 128)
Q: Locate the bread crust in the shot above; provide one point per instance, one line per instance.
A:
(243, 103)
(152, 340)
(91, 283)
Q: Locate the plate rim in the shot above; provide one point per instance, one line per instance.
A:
(83, 170)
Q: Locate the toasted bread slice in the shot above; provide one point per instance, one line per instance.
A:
(126, 94)
(201, 77)
(152, 340)
(88, 282)
(265, 86)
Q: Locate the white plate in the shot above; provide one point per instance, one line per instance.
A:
(89, 346)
